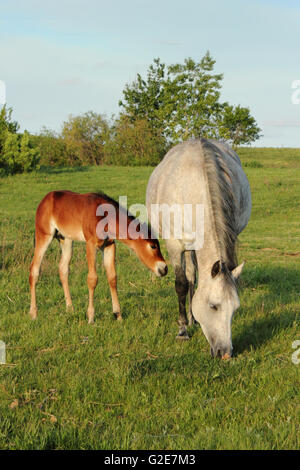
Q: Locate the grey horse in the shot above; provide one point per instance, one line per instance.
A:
(208, 174)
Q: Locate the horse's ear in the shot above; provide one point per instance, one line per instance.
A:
(236, 272)
(216, 268)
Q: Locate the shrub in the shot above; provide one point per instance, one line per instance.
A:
(18, 154)
(85, 138)
(134, 143)
(52, 148)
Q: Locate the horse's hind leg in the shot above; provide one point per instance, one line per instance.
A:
(42, 242)
(66, 254)
(109, 257)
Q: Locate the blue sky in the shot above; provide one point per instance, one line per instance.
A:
(66, 57)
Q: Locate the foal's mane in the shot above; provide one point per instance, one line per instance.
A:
(222, 202)
(118, 208)
(114, 203)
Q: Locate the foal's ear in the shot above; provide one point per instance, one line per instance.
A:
(144, 230)
(236, 272)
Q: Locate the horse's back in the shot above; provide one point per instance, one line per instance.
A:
(180, 171)
(180, 178)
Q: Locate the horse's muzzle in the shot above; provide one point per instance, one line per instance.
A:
(222, 352)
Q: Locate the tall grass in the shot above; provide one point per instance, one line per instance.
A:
(67, 384)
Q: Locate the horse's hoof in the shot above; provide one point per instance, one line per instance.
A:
(183, 336)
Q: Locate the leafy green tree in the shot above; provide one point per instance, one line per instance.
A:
(85, 137)
(182, 101)
(194, 90)
(238, 126)
(144, 99)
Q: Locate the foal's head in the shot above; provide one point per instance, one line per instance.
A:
(148, 251)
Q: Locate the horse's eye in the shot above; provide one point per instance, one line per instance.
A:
(153, 247)
(214, 307)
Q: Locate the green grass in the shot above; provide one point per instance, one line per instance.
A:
(69, 385)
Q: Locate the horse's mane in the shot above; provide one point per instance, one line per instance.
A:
(222, 202)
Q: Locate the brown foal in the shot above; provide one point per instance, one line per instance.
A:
(70, 216)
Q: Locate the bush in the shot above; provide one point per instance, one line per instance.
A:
(52, 148)
(134, 144)
(18, 154)
(85, 138)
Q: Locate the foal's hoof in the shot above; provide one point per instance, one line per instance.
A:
(33, 315)
(118, 316)
(183, 336)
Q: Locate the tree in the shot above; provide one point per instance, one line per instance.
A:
(144, 99)
(238, 126)
(194, 91)
(85, 137)
(182, 101)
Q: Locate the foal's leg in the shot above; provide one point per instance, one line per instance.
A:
(42, 242)
(92, 278)
(109, 258)
(190, 272)
(66, 254)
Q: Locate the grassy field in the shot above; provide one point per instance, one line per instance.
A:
(70, 385)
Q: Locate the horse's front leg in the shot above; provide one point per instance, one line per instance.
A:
(190, 272)
(181, 287)
(92, 278)
(109, 259)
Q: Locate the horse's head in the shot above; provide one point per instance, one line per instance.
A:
(214, 304)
